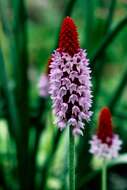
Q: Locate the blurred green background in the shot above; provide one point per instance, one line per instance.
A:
(33, 153)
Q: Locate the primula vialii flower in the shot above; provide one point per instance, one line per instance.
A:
(43, 84)
(70, 81)
(105, 143)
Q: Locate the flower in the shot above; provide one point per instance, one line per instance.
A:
(43, 84)
(105, 143)
(70, 80)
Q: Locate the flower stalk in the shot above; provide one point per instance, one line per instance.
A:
(71, 160)
(104, 175)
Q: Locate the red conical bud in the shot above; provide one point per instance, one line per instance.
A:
(104, 131)
(68, 40)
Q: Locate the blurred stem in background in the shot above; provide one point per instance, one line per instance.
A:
(14, 124)
(118, 92)
(89, 26)
(22, 87)
(107, 40)
(110, 16)
(11, 106)
(12, 115)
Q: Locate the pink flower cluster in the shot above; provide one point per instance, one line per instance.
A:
(70, 89)
(43, 85)
(103, 150)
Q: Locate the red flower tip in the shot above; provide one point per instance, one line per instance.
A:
(68, 40)
(104, 131)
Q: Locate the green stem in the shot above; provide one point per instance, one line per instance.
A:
(104, 176)
(71, 160)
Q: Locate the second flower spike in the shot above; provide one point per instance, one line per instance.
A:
(105, 144)
(70, 81)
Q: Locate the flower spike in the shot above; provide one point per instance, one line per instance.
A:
(70, 80)
(105, 143)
